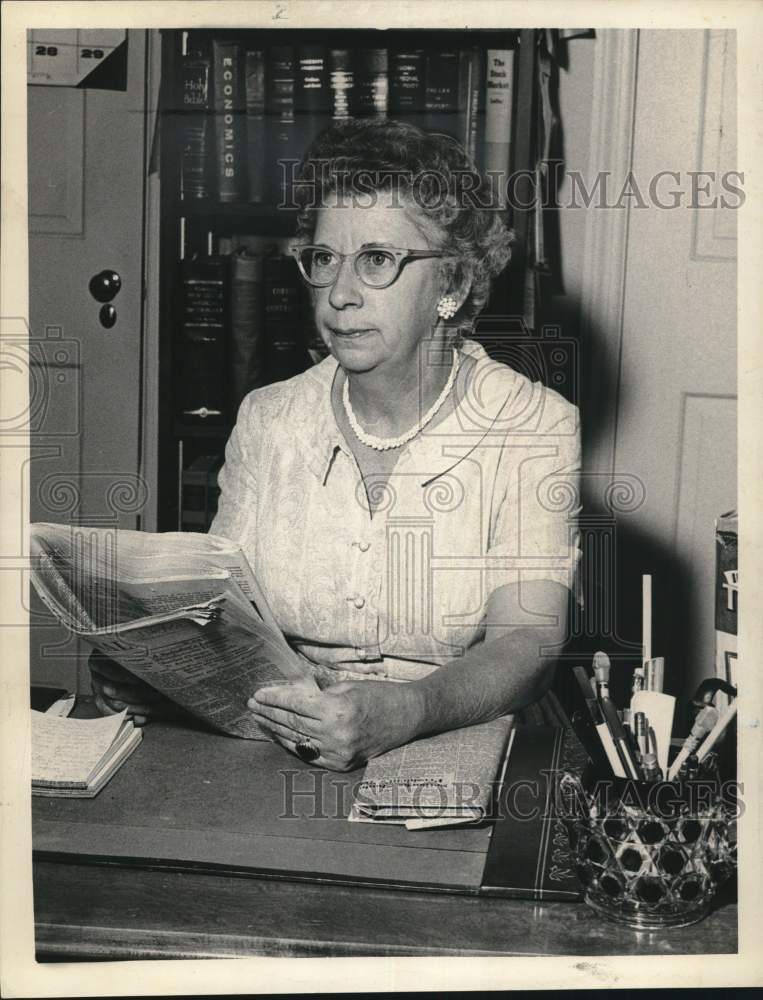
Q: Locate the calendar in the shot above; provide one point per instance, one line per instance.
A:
(77, 58)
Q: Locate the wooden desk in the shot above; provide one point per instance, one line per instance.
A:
(107, 913)
(200, 797)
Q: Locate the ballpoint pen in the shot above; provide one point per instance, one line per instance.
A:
(619, 738)
(703, 724)
(659, 709)
(602, 730)
(641, 729)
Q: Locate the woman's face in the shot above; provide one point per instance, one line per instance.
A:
(367, 328)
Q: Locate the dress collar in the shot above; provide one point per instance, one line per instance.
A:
(479, 412)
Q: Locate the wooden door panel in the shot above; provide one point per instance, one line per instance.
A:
(86, 214)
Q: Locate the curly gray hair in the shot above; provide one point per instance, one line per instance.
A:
(434, 175)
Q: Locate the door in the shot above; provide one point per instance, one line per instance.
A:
(676, 413)
(86, 161)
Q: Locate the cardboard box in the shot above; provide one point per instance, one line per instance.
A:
(726, 597)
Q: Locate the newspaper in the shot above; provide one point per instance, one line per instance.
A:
(181, 611)
(438, 781)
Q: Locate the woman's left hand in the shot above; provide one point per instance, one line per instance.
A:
(349, 722)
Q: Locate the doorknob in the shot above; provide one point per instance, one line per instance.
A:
(105, 285)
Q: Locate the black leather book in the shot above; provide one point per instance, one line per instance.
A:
(529, 854)
(229, 88)
(196, 124)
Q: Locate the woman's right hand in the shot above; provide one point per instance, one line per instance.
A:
(116, 688)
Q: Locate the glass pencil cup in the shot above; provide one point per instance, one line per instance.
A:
(650, 855)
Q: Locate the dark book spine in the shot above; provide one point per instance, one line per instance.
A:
(441, 91)
(203, 348)
(256, 130)
(470, 108)
(230, 120)
(196, 125)
(406, 85)
(341, 83)
(285, 349)
(280, 109)
(247, 318)
(311, 96)
(371, 89)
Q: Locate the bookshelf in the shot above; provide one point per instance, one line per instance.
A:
(215, 225)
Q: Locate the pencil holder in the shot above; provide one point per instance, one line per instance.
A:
(650, 855)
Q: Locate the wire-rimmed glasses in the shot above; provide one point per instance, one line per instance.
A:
(376, 266)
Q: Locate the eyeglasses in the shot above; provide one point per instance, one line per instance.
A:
(376, 266)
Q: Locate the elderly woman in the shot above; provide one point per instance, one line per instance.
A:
(395, 500)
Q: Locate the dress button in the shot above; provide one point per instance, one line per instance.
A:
(359, 602)
(364, 546)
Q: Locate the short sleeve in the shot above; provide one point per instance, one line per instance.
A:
(237, 506)
(534, 523)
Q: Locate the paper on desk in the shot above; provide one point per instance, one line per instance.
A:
(67, 751)
(63, 707)
(443, 780)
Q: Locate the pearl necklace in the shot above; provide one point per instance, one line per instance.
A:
(386, 444)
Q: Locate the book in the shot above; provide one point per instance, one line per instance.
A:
(200, 492)
(341, 83)
(247, 350)
(441, 91)
(229, 89)
(75, 758)
(195, 125)
(407, 69)
(284, 150)
(204, 391)
(499, 102)
(256, 128)
(312, 98)
(180, 610)
(285, 348)
(471, 89)
(447, 779)
(371, 90)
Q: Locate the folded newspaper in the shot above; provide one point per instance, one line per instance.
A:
(442, 780)
(182, 611)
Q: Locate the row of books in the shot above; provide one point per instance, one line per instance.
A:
(245, 323)
(245, 109)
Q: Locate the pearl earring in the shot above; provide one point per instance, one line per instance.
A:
(447, 307)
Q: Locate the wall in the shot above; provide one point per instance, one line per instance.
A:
(649, 296)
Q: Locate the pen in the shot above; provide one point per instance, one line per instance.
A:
(651, 768)
(717, 731)
(601, 668)
(603, 732)
(703, 724)
(641, 732)
(619, 738)
(589, 738)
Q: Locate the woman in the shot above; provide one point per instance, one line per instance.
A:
(396, 499)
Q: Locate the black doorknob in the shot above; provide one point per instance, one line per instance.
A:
(105, 285)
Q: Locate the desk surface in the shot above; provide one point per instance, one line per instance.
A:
(84, 911)
(184, 795)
